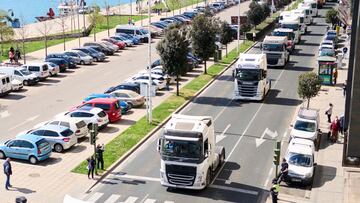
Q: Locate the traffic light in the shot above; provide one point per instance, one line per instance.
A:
(277, 151)
(93, 133)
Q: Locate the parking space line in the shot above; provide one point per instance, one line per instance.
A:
(251, 192)
(96, 196)
(150, 201)
(130, 199)
(112, 198)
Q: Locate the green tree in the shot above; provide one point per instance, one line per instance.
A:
(266, 10)
(331, 16)
(95, 18)
(225, 34)
(173, 49)
(173, 5)
(6, 34)
(309, 86)
(203, 37)
(255, 15)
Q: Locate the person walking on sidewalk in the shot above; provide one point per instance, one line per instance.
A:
(335, 75)
(91, 167)
(283, 171)
(328, 112)
(8, 173)
(344, 88)
(334, 127)
(275, 191)
(99, 155)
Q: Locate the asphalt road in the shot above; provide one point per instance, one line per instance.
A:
(20, 111)
(239, 126)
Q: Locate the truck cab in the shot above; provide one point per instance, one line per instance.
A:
(314, 6)
(250, 77)
(308, 19)
(289, 33)
(293, 23)
(188, 151)
(302, 16)
(275, 49)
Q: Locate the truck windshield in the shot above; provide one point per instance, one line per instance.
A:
(304, 126)
(294, 27)
(289, 35)
(188, 151)
(273, 47)
(248, 75)
(300, 160)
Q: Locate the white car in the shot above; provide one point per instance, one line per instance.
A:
(16, 85)
(158, 79)
(158, 73)
(90, 115)
(77, 125)
(53, 68)
(300, 157)
(84, 58)
(306, 125)
(327, 42)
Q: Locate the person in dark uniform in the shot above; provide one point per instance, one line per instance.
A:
(283, 171)
(99, 156)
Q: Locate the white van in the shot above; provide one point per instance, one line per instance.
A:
(5, 84)
(313, 5)
(19, 73)
(308, 13)
(133, 30)
(41, 70)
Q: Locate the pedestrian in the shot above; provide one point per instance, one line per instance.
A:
(168, 80)
(253, 36)
(344, 88)
(91, 166)
(8, 173)
(334, 127)
(335, 75)
(11, 54)
(99, 156)
(283, 171)
(129, 21)
(275, 191)
(328, 112)
(342, 124)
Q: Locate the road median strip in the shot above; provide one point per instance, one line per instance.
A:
(128, 141)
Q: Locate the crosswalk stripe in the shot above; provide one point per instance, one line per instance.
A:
(131, 199)
(112, 198)
(169, 202)
(150, 201)
(95, 197)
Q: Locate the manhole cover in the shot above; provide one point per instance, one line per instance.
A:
(59, 100)
(34, 175)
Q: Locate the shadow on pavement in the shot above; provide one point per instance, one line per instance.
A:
(273, 99)
(23, 190)
(76, 149)
(13, 96)
(323, 174)
(315, 34)
(50, 81)
(110, 129)
(291, 67)
(311, 44)
(225, 78)
(125, 121)
(216, 101)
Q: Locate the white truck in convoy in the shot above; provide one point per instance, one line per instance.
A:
(188, 151)
(275, 49)
(289, 33)
(250, 77)
(301, 14)
(308, 13)
(313, 5)
(293, 22)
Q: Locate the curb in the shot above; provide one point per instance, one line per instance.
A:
(153, 131)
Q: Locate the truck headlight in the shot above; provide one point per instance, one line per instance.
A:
(162, 175)
(308, 175)
(281, 60)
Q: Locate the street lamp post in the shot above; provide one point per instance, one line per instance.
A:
(149, 67)
(238, 30)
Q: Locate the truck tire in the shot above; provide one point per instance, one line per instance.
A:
(208, 177)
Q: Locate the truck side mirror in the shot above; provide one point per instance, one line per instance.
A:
(158, 148)
(260, 45)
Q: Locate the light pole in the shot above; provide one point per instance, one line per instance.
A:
(149, 67)
(238, 30)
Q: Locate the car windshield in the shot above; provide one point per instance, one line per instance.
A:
(248, 75)
(144, 31)
(42, 143)
(305, 126)
(290, 35)
(25, 72)
(300, 160)
(291, 26)
(66, 133)
(330, 37)
(82, 54)
(273, 47)
(182, 149)
(327, 52)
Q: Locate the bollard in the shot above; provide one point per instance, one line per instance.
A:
(21, 199)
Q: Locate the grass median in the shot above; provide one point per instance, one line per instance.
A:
(131, 136)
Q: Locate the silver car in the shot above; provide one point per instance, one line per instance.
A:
(81, 56)
(59, 137)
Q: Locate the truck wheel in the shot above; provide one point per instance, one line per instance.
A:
(208, 177)
(222, 159)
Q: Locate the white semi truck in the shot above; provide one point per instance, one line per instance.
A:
(293, 22)
(188, 151)
(250, 77)
(275, 48)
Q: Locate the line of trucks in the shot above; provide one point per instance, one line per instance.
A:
(189, 157)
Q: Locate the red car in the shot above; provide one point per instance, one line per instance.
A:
(109, 105)
(118, 43)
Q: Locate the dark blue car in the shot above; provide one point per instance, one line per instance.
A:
(125, 86)
(72, 62)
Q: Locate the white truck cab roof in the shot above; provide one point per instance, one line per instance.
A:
(189, 123)
(252, 61)
(275, 39)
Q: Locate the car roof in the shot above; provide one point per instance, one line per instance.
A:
(125, 91)
(57, 128)
(88, 109)
(309, 114)
(301, 146)
(103, 100)
(29, 137)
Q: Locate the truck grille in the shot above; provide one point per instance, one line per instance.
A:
(247, 89)
(180, 175)
(272, 61)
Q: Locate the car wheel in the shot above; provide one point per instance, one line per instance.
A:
(2, 155)
(97, 59)
(82, 62)
(26, 83)
(33, 160)
(58, 148)
(130, 105)
(208, 177)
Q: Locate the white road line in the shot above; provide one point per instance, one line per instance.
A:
(222, 135)
(139, 178)
(112, 199)
(4, 114)
(251, 192)
(269, 176)
(22, 123)
(143, 199)
(131, 199)
(222, 110)
(150, 201)
(96, 196)
(246, 129)
(169, 202)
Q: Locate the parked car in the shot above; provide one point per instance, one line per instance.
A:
(41, 70)
(109, 105)
(16, 85)
(134, 31)
(53, 68)
(190, 14)
(327, 50)
(20, 73)
(26, 147)
(96, 55)
(83, 58)
(62, 63)
(5, 84)
(132, 98)
(90, 115)
(128, 42)
(119, 43)
(111, 46)
(135, 39)
(77, 125)
(125, 86)
(157, 79)
(59, 137)
(98, 49)
(102, 47)
(307, 124)
(71, 61)
(300, 157)
(125, 107)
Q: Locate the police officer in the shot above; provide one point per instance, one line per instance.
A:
(275, 190)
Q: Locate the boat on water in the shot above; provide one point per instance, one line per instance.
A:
(69, 7)
(50, 15)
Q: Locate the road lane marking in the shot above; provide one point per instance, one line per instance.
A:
(222, 135)
(246, 129)
(259, 141)
(222, 110)
(130, 199)
(251, 192)
(139, 178)
(95, 197)
(169, 202)
(150, 201)
(112, 198)
(22, 123)
(4, 114)
(269, 176)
